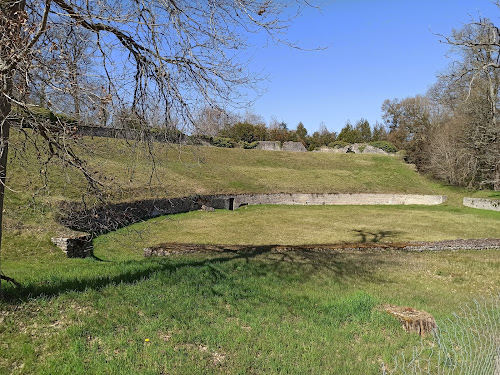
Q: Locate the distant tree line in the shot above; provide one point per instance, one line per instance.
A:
(228, 130)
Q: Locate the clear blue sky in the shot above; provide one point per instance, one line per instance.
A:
(380, 49)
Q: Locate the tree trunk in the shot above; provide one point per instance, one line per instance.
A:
(11, 13)
(5, 108)
(496, 183)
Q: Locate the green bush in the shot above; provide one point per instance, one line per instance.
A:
(223, 142)
(248, 145)
(361, 148)
(338, 144)
(199, 139)
(384, 145)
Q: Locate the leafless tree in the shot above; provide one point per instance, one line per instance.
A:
(211, 120)
(184, 54)
(470, 91)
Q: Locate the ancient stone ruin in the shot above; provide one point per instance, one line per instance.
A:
(75, 247)
(276, 146)
(356, 148)
(103, 219)
(482, 203)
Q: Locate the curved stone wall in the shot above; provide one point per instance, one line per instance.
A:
(103, 219)
(482, 203)
(114, 216)
(337, 199)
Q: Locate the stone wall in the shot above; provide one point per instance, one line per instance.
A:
(108, 218)
(337, 199)
(356, 148)
(276, 146)
(103, 219)
(75, 247)
(269, 146)
(482, 203)
(114, 216)
(293, 147)
(147, 136)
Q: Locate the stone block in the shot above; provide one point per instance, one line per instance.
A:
(482, 203)
(269, 146)
(75, 247)
(293, 147)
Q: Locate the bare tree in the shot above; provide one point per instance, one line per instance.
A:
(211, 120)
(472, 86)
(184, 54)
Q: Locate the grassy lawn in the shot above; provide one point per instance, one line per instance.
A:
(260, 313)
(299, 225)
(256, 312)
(236, 313)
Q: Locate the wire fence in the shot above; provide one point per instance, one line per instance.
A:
(467, 343)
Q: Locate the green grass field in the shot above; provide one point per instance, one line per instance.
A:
(262, 313)
(258, 312)
(300, 225)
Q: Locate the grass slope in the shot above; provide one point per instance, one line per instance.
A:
(256, 313)
(130, 171)
(281, 313)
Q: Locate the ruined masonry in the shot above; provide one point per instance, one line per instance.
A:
(104, 219)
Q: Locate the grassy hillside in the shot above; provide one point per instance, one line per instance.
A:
(254, 313)
(130, 171)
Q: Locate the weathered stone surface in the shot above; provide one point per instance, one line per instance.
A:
(412, 320)
(75, 247)
(269, 146)
(103, 219)
(207, 208)
(329, 149)
(293, 147)
(356, 148)
(374, 150)
(482, 203)
(337, 199)
(174, 248)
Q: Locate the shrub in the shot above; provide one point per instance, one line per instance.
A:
(248, 145)
(361, 148)
(223, 142)
(338, 144)
(199, 139)
(384, 145)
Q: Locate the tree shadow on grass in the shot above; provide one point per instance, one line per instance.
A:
(345, 264)
(375, 237)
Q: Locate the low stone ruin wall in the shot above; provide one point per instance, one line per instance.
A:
(337, 199)
(482, 203)
(75, 247)
(130, 134)
(269, 146)
(276, 146)
(356, 148)
(293, 147)
(103, 219)
(108, 218)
